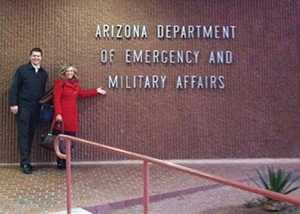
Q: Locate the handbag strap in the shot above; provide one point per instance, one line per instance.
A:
(47, 97)
(54, 122)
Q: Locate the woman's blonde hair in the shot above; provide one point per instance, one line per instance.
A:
(63, 69)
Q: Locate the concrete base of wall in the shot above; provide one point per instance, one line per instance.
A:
(186, 161)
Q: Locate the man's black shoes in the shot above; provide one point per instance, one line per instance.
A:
(26, 168)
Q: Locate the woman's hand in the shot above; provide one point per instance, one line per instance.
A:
(101, 91)
(58, 117)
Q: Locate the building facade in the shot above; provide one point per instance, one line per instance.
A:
(184, 79)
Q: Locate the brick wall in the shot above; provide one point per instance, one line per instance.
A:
(256, 115)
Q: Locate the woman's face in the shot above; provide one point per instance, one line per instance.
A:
(69, 73)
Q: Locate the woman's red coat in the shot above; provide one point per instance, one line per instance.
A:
(65, 101)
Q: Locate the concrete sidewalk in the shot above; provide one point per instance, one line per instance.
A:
(117, 189)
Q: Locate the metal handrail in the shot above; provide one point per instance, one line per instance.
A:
(146, 159)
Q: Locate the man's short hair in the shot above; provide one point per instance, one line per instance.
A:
(36, 50)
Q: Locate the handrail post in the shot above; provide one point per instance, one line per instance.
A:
(69, 176)
(146, 186)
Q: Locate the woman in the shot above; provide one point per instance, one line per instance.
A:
(66, 91)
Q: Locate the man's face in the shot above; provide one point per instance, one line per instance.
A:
(36, 58)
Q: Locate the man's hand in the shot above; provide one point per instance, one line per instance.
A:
(14, 109)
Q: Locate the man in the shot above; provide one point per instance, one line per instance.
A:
(28, 86)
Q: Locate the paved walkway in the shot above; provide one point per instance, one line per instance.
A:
(117, 189)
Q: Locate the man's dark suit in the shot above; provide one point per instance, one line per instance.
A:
(27, 87)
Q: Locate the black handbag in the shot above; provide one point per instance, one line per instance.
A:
(48, 140)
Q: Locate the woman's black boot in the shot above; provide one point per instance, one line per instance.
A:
(61, 163)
